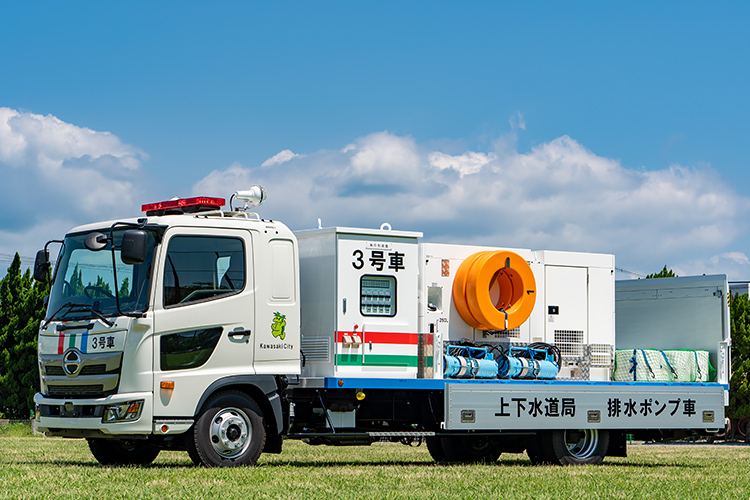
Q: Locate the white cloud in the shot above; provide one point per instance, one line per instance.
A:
(465, 164)
(49, 142)
(517, 121)
(737, 257)
(558, 195)
(383, 158)
(734, 264)
(221, 182)
(281, 157)
(56, 174)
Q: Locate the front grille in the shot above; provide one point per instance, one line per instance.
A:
(99, 375)
(76, 390)
(54, 370)
(85, 411)
(86, 370)
(94, 370)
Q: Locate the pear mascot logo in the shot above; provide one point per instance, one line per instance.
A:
(278, 325)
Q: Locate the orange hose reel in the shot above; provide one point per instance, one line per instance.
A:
(490, 284)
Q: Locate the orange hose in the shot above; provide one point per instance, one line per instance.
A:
(459, 291)
(505, 271)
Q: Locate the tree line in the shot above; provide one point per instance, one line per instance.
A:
(22, 307)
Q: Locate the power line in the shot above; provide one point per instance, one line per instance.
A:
(639, 275)
(8, 257)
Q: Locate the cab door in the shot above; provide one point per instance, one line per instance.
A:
(204, 314)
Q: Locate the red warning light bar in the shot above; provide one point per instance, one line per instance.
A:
(184, 205)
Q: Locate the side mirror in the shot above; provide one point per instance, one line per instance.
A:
(41, 266)
(134, 245)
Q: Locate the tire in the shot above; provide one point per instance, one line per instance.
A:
(114, 452)
(743, 427)
(470, 449)
(435, 447)
(577, 446)
(229, 432)
(537, 451)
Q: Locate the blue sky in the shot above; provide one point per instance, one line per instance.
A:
(587, 126)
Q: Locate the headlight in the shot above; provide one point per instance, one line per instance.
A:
(123, 412)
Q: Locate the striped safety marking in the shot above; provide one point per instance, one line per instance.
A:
(393, 339)
(376, 360)
(70, 340)
(387, 337)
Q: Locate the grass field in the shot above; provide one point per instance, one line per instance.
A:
(36, 467)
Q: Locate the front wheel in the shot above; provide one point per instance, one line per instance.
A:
(228, 433)
(113, 452)
(577, 446)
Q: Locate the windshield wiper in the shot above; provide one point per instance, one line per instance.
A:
(101, 317)
(73, 307)
(52, 316)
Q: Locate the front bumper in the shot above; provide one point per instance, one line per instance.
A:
(82, 418)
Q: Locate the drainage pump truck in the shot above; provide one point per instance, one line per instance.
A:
(221, 333)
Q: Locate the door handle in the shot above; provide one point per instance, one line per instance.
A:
(239, 333)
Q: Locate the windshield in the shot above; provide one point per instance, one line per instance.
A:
(84, 286)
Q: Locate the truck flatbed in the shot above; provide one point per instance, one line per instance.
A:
(477, 404)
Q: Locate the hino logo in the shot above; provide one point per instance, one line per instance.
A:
(72, 362)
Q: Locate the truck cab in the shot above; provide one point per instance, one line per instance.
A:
(140, 349)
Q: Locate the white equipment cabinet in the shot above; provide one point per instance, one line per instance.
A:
(359, 302)
(579, 311)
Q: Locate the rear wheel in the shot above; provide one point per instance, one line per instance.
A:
(536, 450)
(743, 428)
(435, 447)
(470, 449)
(113, 452)
(228, 433)
(577, 446)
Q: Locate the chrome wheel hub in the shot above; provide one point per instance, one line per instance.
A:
(230, 432)
(582, 443)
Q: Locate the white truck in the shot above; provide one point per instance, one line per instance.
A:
(222, 334)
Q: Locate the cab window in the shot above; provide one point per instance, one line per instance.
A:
(200, 268)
